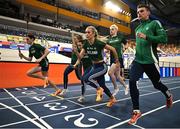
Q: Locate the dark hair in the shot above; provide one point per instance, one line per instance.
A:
(144, 6)
(31, 36)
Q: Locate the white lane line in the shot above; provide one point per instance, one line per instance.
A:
(142, 87)
(14, 123)
(93, 106)
(109, 85)
(145, 90)
(164, 106)
(48, 93)
(95, 110)
(29, 104)
(30, 111)
(22, 96)
(101, 104)
(144, 114)
(90, 108)
(139, 126)
(105, 114)
(23, 115)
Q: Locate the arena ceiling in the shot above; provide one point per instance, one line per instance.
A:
(167, 11)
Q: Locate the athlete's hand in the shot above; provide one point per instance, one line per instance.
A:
(141, 35)
(20, 55)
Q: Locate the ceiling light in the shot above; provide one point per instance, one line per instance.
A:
(113, 7)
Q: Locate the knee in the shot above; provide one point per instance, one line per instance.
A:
(110, 73)
(121, 78)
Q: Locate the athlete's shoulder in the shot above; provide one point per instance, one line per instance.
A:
(120, 36)
(36, 45)
(156, 22)
(100, 43)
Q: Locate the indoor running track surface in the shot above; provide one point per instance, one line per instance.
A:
(34, 107)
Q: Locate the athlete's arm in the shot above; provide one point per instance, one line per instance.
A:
(113, 50)
(160, 34)
(80, 56)
(46, 52)
(26, 58)
(77, 63)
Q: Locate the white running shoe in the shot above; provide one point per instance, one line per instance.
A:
(63, 92)
(126, 90)
(81, 99)
(116, 90)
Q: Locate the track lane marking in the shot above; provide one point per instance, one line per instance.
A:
(30, 111)
(23, 115)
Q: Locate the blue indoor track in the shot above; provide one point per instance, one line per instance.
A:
(34, 107)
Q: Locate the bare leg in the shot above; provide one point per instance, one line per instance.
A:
(121, 80)
(122, 73)
(111, 73)
(114, 73)
(33, 73)
(45, 74)
(117, 74)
